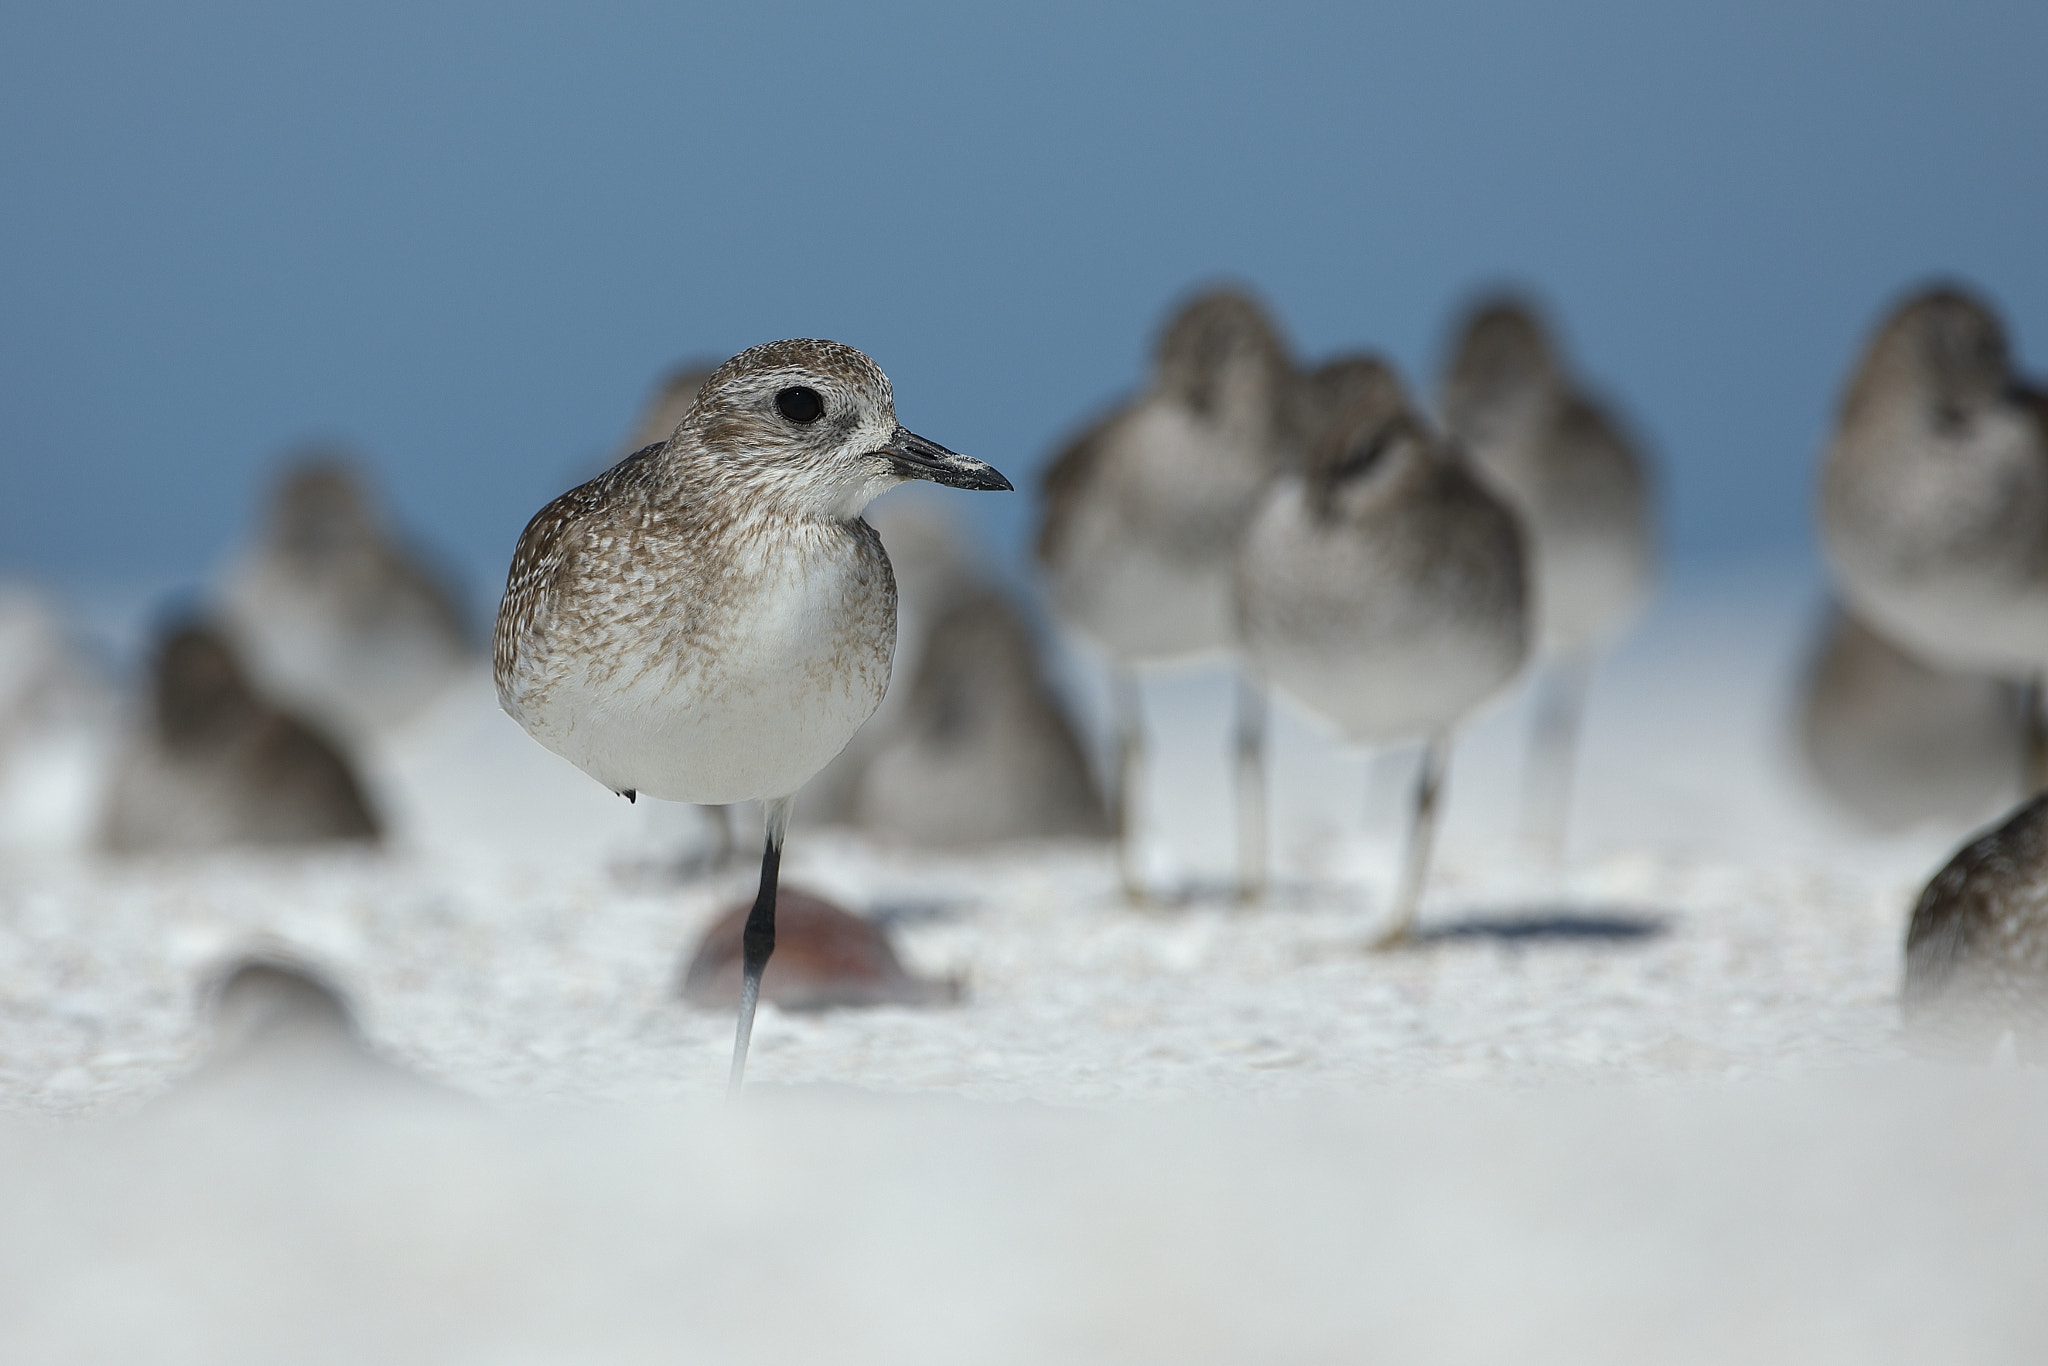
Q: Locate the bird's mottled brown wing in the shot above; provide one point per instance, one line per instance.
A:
(543, 548)
(1065, 483)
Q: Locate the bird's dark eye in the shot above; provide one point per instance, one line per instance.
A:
(800, 405)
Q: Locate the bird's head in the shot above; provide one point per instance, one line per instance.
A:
(1941, 353)
(812, 426)
(1222, 358)
(1503, 374)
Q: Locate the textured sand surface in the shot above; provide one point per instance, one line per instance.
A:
(1649, 1107)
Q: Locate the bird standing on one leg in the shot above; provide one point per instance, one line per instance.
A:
(1382, 588)
(1575, 478)
(710, 620)
(1142, 516)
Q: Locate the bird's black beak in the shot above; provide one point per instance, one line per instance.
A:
(913, 457)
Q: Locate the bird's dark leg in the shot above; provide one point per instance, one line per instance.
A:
(1553, 751)
(1130, 774)
(757, 940)
(1421, 840)
(1251, 790)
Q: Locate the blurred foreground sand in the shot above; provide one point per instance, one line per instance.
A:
(1189, 1134)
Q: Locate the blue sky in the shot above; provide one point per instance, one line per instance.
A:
(466, 238)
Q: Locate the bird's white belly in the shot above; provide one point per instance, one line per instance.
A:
(1940, 544)
(753, 712)
(1146, 572)
(1138, 604)
(1381, 653)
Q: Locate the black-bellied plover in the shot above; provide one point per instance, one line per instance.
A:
(1934, 496)
(1977, 946)
(1577, 481)
(333, 615)
(210, 765)
(710, 620)
(1382, 588)
(1142, 516)
(1896, 742)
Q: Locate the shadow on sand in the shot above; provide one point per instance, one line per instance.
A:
(1549, 925)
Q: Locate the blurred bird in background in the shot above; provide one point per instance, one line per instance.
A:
(971, 747)
(208, 764)
(1382, 587)
(1582, 490)
(1934, 498)
(334, 615)
(1897, 743)
(59, 719)
(1140, 522)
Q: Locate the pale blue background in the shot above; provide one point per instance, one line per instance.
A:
(467, 237)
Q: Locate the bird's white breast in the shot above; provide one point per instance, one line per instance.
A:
(729, 688)
(1943, 544)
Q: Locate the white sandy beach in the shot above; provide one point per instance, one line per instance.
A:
(1648, 1108)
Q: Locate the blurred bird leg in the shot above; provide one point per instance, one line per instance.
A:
(1251, 790)
(1429, 784)
(2035, 775)
(1553, 750)
(1129, 776)
(723, 848)
(758, 940)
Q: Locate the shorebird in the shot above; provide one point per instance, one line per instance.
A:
(1382, 589)
(1141, 519)
(710, 620)
(1897, 742)
(982, 752)
(1580, 487)
(970, 747)
(1934, 497)
(1977, 946)
(212, 765)
(333, 615)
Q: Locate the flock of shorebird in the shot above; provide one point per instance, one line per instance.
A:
(1316, 528)
(712, 620)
